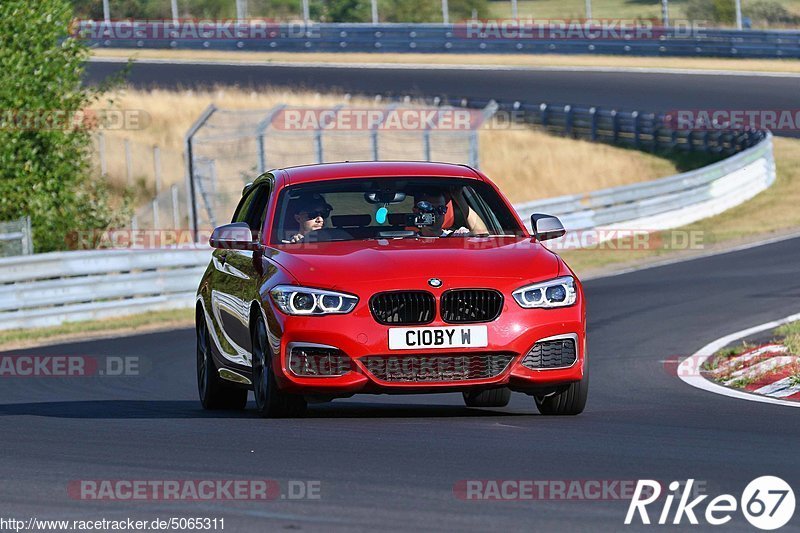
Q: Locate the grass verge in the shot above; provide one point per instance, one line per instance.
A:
(139, 323)
(510, 60)
(790, 334)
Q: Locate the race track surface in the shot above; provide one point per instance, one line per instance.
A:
(390, 463)
(624, 91)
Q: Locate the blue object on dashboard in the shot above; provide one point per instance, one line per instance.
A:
(381, 214)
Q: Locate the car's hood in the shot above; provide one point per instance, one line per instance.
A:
(341, 264)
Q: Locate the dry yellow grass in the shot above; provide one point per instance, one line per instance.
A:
(528, 60)
(773, 212)
(527, 164)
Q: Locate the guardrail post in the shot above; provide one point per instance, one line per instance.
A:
(593, 117)
(636, 132)
(543, 110)
(614, 125)
(568, 120)
(27, 237)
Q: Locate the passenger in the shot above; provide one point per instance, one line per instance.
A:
(309, 213)
(439, 201)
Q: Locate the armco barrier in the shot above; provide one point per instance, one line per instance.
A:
(667, 202)
(48, 289)
(461, 38)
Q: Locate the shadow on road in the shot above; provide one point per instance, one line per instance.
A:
(191, 409)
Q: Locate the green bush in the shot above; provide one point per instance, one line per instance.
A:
(717, 11)
(769, 12)
(44, 171)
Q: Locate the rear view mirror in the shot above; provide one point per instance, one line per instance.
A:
(236, 236)
(384, 197)
(546, 227)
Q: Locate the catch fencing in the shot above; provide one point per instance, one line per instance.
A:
(227, 148)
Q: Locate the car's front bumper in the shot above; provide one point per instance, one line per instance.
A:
(359, 336)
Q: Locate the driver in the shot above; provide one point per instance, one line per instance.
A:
(309, 212)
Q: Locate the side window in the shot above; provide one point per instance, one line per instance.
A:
(257, 208)
(240, 215)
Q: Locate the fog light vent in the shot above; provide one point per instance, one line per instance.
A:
(556, 353)
(317, 361)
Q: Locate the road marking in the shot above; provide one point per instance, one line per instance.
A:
(445, 66)
(698, 358)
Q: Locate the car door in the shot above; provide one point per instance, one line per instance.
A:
(235, 281)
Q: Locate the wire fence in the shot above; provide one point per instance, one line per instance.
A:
(228, 148)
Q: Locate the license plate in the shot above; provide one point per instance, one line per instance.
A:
(438, 337)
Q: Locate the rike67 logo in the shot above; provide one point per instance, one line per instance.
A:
(767, 503)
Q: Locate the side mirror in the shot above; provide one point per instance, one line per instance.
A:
(236, 236)
(546, 227)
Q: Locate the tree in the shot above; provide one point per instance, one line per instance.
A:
(44, 147)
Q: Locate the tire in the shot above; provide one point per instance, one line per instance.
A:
(271, 402)
(213, 391)
(488, 398)
(570, 401)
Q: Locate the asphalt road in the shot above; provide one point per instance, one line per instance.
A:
(630, 91)
(391, 463)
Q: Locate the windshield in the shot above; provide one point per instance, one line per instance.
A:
(346, 210)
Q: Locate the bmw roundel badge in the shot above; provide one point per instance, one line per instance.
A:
(435, 282)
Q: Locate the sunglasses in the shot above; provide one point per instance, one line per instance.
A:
(323, 213)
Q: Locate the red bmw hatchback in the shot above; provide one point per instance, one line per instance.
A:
(387, 277)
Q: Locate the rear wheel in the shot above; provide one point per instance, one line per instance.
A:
(271, 402)
(488, 398)
(570, 401)
(214, 393)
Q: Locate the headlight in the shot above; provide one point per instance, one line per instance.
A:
(559, 292)
(294, 300)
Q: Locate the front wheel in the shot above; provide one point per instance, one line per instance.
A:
(570, 401)
(271, 402)
(214, 393)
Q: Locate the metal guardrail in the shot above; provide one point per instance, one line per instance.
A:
(443, 38)
(667, 202)
(637, 129)
(16, 237)
(49, 289)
